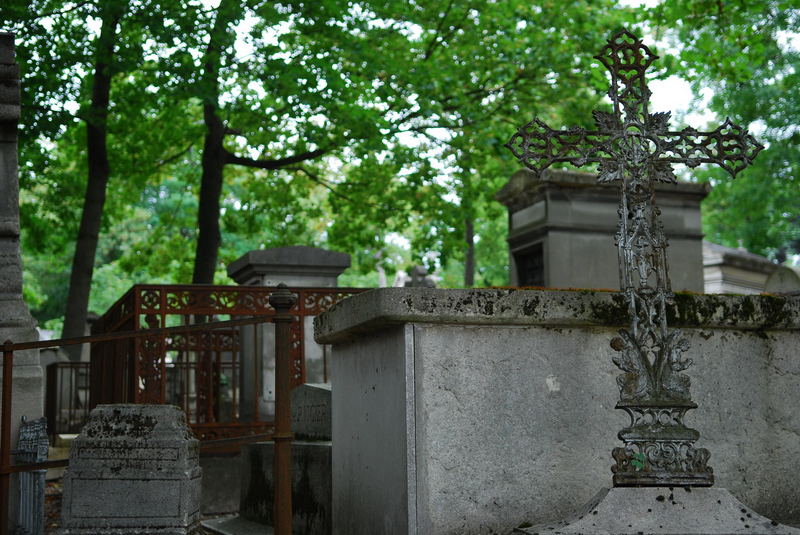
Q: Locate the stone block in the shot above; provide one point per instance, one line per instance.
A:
(472, 411)
(296, 266)
(133, 470)
(220, 487)
(311, 412)
(311, 486)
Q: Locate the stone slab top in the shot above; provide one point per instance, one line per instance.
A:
(294, 259)
(525, 184)
(376, 309)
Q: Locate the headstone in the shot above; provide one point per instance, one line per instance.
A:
(311, 412)
(16, 323)
(784, 280)
(311, 466)
(133, 470)
(561, 227)
(735, 271)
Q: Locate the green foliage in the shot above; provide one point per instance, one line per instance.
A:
(411, 101)
(748, 54)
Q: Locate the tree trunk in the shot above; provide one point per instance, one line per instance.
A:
(215, 156)
(208, 233)
(97, 155)
(469, 260)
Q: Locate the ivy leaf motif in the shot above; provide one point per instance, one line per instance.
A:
(661, 171)
(659, 121)
(606, 121)
(609, 172)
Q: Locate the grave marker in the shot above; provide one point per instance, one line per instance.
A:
(636, 148)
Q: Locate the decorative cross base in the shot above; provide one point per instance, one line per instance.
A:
(659, 449)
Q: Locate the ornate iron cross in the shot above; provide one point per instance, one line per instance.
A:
(637, 149)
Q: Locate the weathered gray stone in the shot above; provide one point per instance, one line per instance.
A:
(297, 265)
(311, 411)
(685, 510)
(16, 323)
(784, 280)
(468, 411)
(729, 270)
(133, 470)
(562, 225)
(222, 474)
(311, 486)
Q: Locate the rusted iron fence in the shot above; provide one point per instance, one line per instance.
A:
(8, 349)
(195, 346)
(222, 378)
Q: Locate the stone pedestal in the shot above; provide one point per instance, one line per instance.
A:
(474, 411)
(16, 323)
(133, 470)
(298, 267)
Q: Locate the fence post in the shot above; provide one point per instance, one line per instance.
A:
(282, 301)
(5, 437)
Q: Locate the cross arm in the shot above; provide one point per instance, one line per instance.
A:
(730, 146)
(538, 146)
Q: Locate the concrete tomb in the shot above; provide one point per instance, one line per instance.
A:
(16, 323)
(297, 267)
(467, 411)
(133, 470)
(435, 393)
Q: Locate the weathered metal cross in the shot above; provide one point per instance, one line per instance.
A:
(636, 148)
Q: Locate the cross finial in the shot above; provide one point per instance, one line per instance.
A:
(637, 149)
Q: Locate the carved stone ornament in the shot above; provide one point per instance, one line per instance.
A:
(637, 149)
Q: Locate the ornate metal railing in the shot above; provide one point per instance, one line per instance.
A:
(204, 372)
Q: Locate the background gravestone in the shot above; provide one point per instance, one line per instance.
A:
(561, 227)
(134, 469)
(16, 323)
(311, 466)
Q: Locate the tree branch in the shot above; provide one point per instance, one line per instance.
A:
(319, 180)
(272, 164)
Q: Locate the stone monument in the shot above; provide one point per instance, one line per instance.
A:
(296, 266)
(133, 470)
(561, 226)
(16, 323)
(481, 411)
(636, 148)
